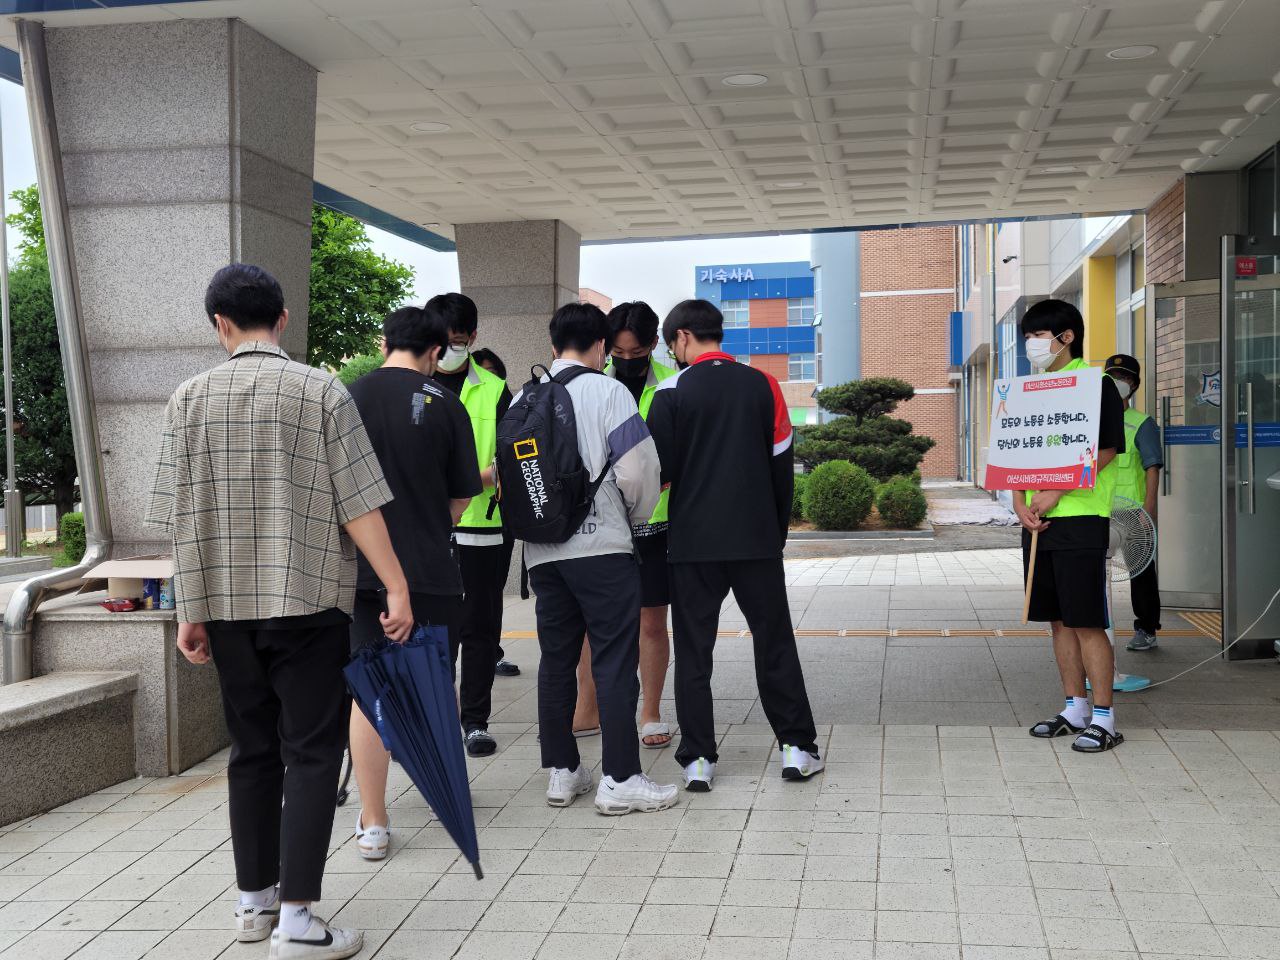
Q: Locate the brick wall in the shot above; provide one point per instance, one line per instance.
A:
(906, 335)
(774, 363)
(587, 295)
(1164, 264)
(767, 313)
(799, 395)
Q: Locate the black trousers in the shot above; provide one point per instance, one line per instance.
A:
(508, 546)
(477, 630)
(1145, 591)
(428, 609)
(598, 596)
(697, 592)
(287, 708)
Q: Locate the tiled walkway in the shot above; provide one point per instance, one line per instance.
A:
(924, 839)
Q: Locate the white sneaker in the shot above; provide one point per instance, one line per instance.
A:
(565, 786)
(698, 776)
(254, 923)
(320, 942)
(799, 764)
(372, 842)
(636, 794)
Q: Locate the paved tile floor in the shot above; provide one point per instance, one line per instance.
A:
(924, 840)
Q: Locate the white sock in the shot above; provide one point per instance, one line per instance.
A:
(295, 920)
(258, 898)
(1105, 718)
(1076, 711)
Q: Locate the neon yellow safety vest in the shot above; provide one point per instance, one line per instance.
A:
(1084, 502)
(481, 392)
(1131, 478)
(657, 373)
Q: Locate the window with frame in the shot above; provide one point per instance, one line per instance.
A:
(737, 313)
(743, 358)
(801, 366)
(800, 312)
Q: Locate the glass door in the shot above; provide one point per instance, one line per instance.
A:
(1250, 287)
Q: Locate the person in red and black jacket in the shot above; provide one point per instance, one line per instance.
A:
(724, 438)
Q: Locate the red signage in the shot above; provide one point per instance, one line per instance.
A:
(1057, 383)
(1246, 268)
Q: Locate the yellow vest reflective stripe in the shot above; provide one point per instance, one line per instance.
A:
(1131, 476)
(1084, 502)
(481, 392)
(657, 373)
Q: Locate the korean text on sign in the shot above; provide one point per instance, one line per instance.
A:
(1044, 431)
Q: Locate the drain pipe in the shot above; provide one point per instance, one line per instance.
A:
(19, 653)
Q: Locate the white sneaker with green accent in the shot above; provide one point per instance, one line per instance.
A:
(799, 764)
(698, 775)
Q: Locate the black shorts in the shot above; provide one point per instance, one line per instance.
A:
(1071, 586)
(655, 582)
(428, 608)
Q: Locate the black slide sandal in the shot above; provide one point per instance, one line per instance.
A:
(1059, 726)
(1105, 740)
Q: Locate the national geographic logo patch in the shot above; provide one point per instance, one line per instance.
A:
(526, 449)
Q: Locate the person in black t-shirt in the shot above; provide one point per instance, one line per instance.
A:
(424, 443)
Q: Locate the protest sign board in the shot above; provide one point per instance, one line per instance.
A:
(1044, 431)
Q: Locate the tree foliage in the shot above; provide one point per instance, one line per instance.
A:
(901, 503)
(862, 433)
(46, 462)
(352, 289)
(357, 367)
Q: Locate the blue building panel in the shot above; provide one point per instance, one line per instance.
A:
(752, 281)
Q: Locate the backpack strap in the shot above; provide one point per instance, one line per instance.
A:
(571, 373)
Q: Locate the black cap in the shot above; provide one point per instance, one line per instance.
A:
(1123, 363)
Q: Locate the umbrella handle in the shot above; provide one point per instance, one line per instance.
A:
(479, 873)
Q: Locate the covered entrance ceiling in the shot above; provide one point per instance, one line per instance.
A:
(656, 118)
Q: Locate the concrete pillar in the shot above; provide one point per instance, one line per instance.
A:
(185, 146)
(518, 273)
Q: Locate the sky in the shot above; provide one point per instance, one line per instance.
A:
(661, 273)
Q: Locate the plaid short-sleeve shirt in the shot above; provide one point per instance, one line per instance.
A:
(262, 462)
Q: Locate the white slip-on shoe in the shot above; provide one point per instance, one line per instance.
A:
(254, 923)
(799, 764)
(565, 786)
(698, 776)
(320, 942)
(636, 794)
(373, 842)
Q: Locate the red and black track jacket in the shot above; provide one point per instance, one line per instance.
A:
(724, 438)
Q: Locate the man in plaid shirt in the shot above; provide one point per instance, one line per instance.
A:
(265, 478)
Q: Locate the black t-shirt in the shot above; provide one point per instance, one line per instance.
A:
(1088, 533)
(424, 443)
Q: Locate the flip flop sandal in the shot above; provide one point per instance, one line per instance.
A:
(1097, 740)
(655, 730)
(1059, 726)
(588, 732)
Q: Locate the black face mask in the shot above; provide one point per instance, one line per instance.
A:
(630, 368)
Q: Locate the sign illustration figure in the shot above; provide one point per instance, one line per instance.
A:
(1003, 390)
(1086, 471)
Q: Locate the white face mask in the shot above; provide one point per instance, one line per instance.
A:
(1126, 389)
(1040, 352)
(455, 358)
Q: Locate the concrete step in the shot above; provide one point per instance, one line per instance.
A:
(20, 568)
(62, 736)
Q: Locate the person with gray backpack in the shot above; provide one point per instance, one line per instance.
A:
(576, 470)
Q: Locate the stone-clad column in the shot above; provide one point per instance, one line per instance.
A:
(185, 146)
(518, 273)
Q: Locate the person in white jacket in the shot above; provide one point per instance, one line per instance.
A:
(590, 584)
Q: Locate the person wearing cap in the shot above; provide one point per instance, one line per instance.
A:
(1138, 478)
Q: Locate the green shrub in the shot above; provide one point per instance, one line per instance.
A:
(357, 367)
(901, 503)
(839, 496)
(884, 446)
(72, 538)
(797, 496)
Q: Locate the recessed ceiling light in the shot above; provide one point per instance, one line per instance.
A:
(1063, 168)
(744, 80)
(431, 226)
(789, 183)
(429, 126)
(1139, 51)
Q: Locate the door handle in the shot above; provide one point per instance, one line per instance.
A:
(1249, 485)
(1166, 475)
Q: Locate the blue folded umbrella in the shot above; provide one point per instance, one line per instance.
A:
(406, 691)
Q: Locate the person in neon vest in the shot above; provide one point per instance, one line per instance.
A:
(482, 556)
(1139, 480)
(632, 363)
(1069, 586)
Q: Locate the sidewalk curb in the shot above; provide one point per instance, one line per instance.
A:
(926, 533)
